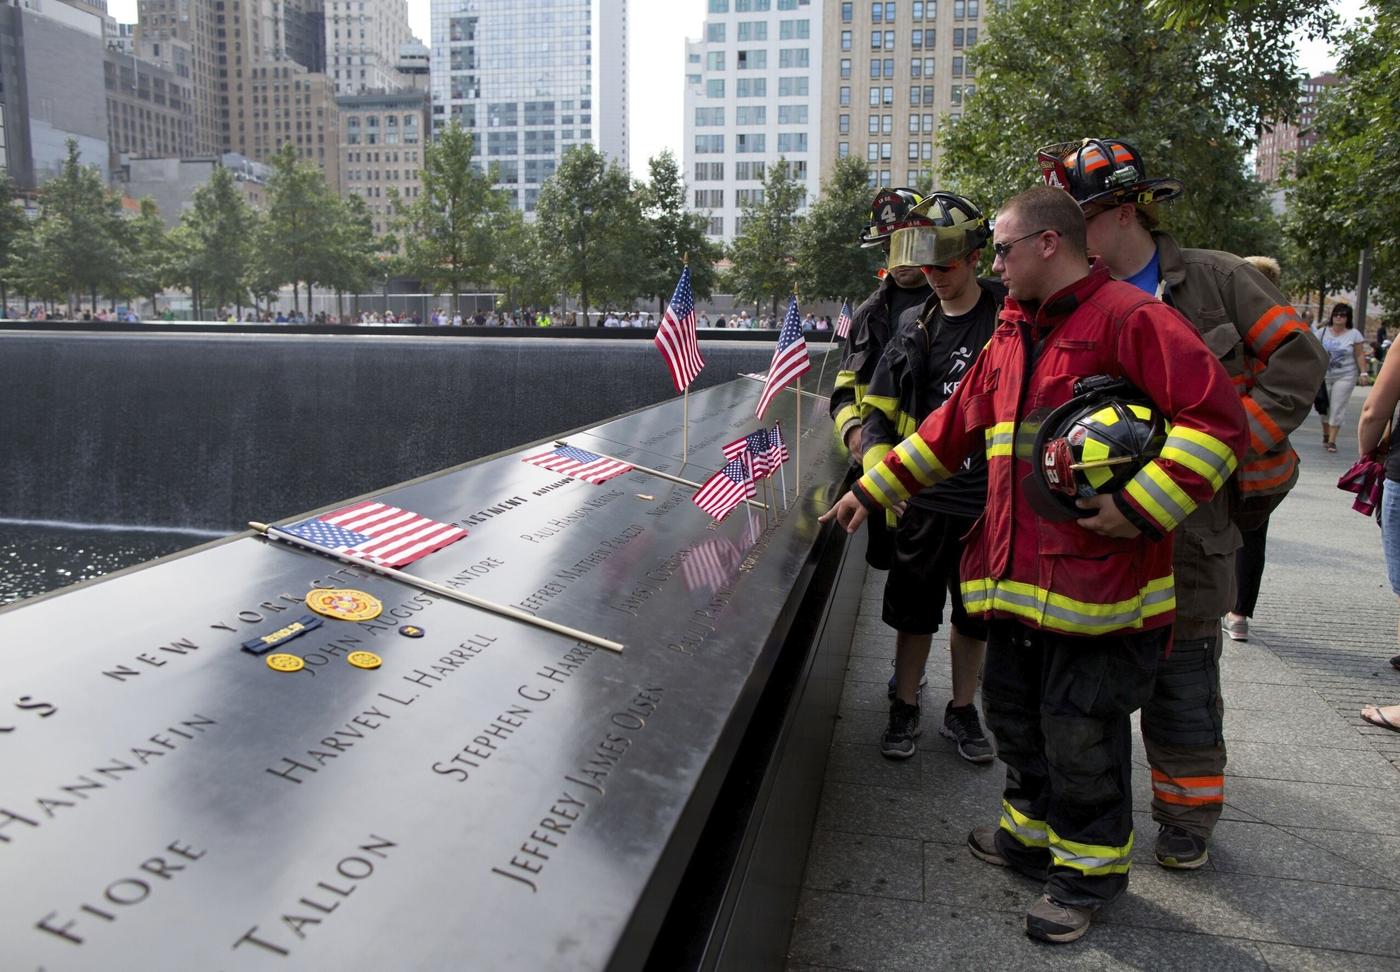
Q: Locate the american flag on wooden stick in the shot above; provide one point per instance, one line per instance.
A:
(381, 534)
(843, 321)
(675, 337)
(790, 359)
(580, 464)
(726, 489)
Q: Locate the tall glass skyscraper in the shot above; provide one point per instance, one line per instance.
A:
(530, 79)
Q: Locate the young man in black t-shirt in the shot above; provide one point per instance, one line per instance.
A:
(931, 348)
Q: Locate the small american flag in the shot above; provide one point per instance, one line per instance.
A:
(675, 337)
(711, 564)
(789, 357)
(726, 489)
(588, 466)
(843, 321)
(763, 454)
(384, 535)
(778, 453)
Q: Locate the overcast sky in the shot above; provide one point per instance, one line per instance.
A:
(657, 55)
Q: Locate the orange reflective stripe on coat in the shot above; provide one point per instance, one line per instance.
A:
(1264, 432)
(1267, 472)
(1188, 791)
(1269, 331)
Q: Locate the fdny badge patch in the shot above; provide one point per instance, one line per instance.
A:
(411, 631)
(345, 604)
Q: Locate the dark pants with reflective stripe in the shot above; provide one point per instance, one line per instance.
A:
(1060, 708)
(1182, 731)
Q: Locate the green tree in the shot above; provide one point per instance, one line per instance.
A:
(14, 227)
(1050, 72)
(449, 230)
(213, 245)
(673, 232)
(522, 271)
(763, 254)
(297, 242)
(1345, 196)
(831, 262)
(151, 263)
(77, 244)
(358, 257)
(590, 221)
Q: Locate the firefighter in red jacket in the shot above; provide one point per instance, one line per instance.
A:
(1079, 611)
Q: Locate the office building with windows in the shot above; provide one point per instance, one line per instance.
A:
(1281, 141)
(900, 71)
(530, 79)
(752, 98)
(381, 149)
(363, 38)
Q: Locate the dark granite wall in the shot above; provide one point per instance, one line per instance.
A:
(211, 431)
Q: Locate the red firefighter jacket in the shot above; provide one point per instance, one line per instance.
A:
(1058, 575)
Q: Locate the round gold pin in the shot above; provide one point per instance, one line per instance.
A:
(344, 604)
(282, 662)
(363, 659)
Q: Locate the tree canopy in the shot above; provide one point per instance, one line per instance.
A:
(1051, 72)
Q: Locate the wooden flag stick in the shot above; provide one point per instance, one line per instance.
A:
(659, 474)
(685, 426)
(799, 391)
(797, 473)
(273, 533)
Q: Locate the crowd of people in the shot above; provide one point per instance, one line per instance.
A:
(1069, 457)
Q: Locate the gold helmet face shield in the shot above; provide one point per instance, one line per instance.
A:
(927, 246)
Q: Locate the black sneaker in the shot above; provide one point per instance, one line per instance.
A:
(963, 727)
(923, 680)
(1051, 921)
(898, 740)
(1179, 849)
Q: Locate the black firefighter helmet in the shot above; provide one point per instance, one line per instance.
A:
(1106, 171)
(1094, 443)
(891, 210)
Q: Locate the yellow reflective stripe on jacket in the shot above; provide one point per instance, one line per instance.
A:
(871, 457)
(1028, 832)
(1056, 612)
(904, 423)
(844, 414)
(845, 379)
(919, 459)
(1203, 454)
(883, 487)
(1160, 497)
(1000, 439)
(1090, 858)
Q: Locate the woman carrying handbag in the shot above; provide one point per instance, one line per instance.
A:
(1372, 441)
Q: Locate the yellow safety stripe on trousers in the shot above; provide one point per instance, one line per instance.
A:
(904, 424)
(1160, 497)
(1056, 612)
(1000, 439)
(1089, 859)
(1028, 832)
(1203, 454)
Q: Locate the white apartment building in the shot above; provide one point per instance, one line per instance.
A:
(363, 38)
(531, 79)
(752, 96)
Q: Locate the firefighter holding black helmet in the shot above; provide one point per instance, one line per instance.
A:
(1276, 365)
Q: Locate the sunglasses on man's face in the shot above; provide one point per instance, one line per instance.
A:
(1002, 249)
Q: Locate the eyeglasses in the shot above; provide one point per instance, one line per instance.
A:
(1002, 249)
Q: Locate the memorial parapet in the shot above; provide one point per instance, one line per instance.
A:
(490, 796)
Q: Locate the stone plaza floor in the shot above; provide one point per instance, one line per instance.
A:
(1305, 864)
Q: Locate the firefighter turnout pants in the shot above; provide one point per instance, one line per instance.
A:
(1181, 730)
(1060, 708)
